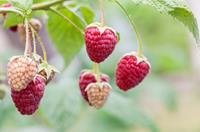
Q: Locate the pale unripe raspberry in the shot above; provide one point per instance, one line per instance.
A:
(98, 94)
(87, 77)
(20, 72)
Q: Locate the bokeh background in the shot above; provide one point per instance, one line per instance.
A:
(166, 101)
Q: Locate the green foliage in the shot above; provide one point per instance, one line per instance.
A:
(176, 8)
(12, 20)
(22, 4)
(68, 40)
(62, 108)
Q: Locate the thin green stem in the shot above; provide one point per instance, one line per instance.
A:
(67, 19)
(41, 43)
(34, 41)
(96, 70)
(46, 5)
(139, 41)
(102, 12)
(28, 48)
(11, 9)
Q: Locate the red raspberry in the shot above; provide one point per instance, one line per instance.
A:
(13, 28)
(87, 77)
(100, 42)
(27, 100)
(131, 70)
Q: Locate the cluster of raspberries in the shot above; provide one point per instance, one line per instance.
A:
(28, 74)
(28, 80)
(131, 69)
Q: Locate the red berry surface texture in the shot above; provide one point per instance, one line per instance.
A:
(87, 77)
(27, 100)
(131, 70)
(100, 42)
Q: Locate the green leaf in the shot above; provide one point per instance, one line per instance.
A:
(22, 4)
(61, 105)
(128, 112)
(83, 11)
(87, 14)
(187, 19)
(12, 20)
(176, 8)
(67, 39)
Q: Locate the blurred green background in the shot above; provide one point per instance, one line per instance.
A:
(166, 101)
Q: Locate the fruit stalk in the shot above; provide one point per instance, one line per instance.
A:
(102, 14)
(97, 71)
(46, 5)
(40, 42)
(139, 41)
(28, 47)
(34, 41)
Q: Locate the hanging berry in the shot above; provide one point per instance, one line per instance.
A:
(100, 41)
(133, 67)
(87, 77)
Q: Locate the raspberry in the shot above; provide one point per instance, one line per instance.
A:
(13, 28)
(98, 93)
(27, 100)
(87, 77)
(131, 70)
(20, 71)
(100, 42)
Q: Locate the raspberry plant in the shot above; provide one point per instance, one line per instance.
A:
(69, 25)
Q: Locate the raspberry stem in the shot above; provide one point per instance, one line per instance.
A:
(28, 48)
(46, 5)
(34, 41)
(102, 12)
(11, 9)
(97, 71)
(41, 43)
(139, 41)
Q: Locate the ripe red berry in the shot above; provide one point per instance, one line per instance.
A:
(13, 28)
(131, 70)
(27, 100)
(87, 77)
(100, 42)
